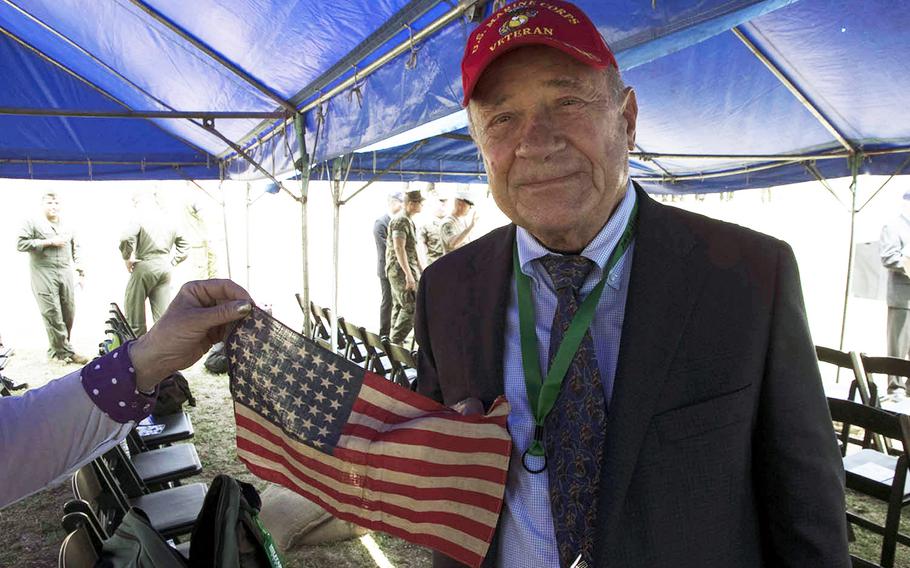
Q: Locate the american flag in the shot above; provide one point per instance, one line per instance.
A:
(363, 448)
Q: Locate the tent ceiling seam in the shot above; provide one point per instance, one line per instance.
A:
(793, 89)
(100, 91)
(222, 61)
(429, 30)
(415, 9)
(107, 68)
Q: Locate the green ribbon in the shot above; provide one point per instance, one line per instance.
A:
(542, 392)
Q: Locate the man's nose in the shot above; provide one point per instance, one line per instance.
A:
(540, 137)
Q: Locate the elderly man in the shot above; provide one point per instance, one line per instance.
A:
(53, 256)
(667, 409)
(402, 265)
(455, 230)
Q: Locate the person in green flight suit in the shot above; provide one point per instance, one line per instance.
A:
(403, 266)
(54, 255)
(151, 247)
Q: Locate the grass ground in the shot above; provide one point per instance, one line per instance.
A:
(31, 530)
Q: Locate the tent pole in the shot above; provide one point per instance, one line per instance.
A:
(248, 235)
(303, 168)
(854, 169)
(227, 246)
(336, 222)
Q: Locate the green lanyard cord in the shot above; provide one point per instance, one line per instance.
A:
(542, 393)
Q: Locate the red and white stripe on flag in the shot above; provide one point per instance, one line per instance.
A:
(404, 465)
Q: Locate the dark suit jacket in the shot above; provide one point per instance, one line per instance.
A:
(720, 449)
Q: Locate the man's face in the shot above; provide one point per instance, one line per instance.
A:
(394, 206)
(555, 141)
(441, 208)
(51, 206)
(413, 207)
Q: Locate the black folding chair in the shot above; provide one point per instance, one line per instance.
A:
(404, 365)
(82, 546)
(874, 473)
(892, 366)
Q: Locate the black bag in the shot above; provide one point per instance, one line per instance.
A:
(228, 533)
(217, 362)
(172, 393)
(135, 544)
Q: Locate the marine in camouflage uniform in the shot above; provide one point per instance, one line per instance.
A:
(147, 250)
(429, 236)
(54, 255)
(402, 240)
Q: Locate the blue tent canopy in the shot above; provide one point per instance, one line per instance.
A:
(361, 71)
(719, 99)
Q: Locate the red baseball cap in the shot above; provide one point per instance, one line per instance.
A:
(532, 22)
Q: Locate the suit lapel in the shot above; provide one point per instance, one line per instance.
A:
(662, 289)
(487, 286)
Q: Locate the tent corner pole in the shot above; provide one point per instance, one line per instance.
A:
(248, 203)
(855, 161)
(224, 220)
(304, 170)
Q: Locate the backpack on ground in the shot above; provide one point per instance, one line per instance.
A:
(228, 533)
(216, 362)
(172, 393)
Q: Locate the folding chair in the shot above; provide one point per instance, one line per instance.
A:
(887, 366)
(340, 340)
(172, 512)
(867, 391)
(404, 365)
(320, 331)
(155, 469)
(155, 431)
(874, 473)
(79, 549)
(377, 358)
(354, 351)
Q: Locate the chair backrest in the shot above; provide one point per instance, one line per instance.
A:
(874, 421)
(401, 360)
(123, 325)
(91, 484)
(851, 361)
(81, 510)
(124, 472)
(341, 341)
(353, 337)
(319, 330)
(376, 354)
(885, 366)
(78, 550)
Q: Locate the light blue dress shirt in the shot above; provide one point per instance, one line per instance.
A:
(526, 537)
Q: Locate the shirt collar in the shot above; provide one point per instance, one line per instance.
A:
(598, 250)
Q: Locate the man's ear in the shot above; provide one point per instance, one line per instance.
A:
(630, 113)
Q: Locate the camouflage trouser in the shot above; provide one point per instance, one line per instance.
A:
(403, 304)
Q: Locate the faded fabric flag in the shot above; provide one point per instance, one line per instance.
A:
(365, 449)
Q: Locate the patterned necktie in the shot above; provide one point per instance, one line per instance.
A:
(574, 430)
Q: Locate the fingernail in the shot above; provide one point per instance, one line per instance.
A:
(244, 308)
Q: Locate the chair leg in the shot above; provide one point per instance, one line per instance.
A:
(892, 525)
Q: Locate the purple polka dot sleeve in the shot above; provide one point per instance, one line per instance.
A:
(110, 382)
